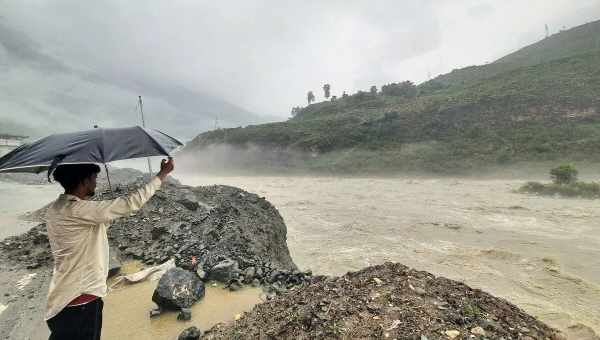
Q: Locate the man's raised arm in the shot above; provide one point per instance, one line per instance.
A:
(105, 211)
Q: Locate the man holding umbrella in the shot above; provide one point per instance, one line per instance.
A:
(77, 234)
(76, 226)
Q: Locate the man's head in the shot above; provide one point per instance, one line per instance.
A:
(77, 178)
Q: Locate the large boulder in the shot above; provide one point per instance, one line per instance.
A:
(177, 289)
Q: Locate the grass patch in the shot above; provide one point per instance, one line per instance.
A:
(577, 189)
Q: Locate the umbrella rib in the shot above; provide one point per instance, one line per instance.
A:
(155, 141)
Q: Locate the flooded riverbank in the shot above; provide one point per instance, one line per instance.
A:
(16, 200)
(126, 310)
(539, 253)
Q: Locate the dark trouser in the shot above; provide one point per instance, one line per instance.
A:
(78, 322)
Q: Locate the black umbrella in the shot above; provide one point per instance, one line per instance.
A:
(91, 146)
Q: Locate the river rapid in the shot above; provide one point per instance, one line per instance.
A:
(541, 253)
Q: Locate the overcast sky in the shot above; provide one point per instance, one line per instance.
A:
(88, 60)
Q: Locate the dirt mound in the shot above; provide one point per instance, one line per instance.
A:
(386, 301)
(213, 224)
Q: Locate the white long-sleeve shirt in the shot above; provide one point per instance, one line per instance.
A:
(77, 234)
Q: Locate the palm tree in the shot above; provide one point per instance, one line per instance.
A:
(310, 97)
(326, 89)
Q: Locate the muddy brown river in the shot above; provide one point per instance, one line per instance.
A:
(541, 253)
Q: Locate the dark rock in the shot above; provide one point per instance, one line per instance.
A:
(192, 333)
(274, 276)
(235, 286)
(178, 288)
(158, 231)
(201, 274)
(185, 314)
(249, 273)
(223, 271)
(189, 204)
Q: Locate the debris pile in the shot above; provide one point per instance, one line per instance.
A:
(386, 301)
(237, 237)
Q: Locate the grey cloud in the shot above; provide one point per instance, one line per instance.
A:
(19, 47)
(243, 61)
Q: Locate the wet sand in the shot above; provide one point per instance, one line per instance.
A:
(539, 253)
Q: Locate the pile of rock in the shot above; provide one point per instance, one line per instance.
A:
(389, 301)
(30, 250)
(236, 237)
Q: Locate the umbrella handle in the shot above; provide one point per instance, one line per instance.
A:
(107, 177)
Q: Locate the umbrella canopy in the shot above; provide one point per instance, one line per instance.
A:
(91, 146)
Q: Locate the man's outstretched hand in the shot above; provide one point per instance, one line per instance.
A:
(166, 166)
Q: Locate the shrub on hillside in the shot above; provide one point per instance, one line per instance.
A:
(404, 89)
(564, 174)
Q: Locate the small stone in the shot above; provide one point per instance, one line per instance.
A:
(423, 337)
(478, 331)
(201, 274)
(237, 317)
(524, 330)
(452, 333)
(155, 312)
(185, 314)
(377, 281)
(249, 273)
(234, 286)
(192, 333)
(394, 325)
(420, 291)
(223, 271)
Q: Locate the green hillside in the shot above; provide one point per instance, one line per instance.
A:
(579, 40)
(545, 111)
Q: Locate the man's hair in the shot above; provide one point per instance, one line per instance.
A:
(71, 175)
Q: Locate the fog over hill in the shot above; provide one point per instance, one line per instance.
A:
(67, 65)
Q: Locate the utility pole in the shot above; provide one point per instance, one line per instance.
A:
(144, 125)
(547, 31)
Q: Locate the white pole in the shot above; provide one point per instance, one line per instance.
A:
(144, 125)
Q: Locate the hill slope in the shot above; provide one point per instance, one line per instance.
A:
(545, 111)
(578, 40)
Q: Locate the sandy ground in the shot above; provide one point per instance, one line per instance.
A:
(539, 253)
